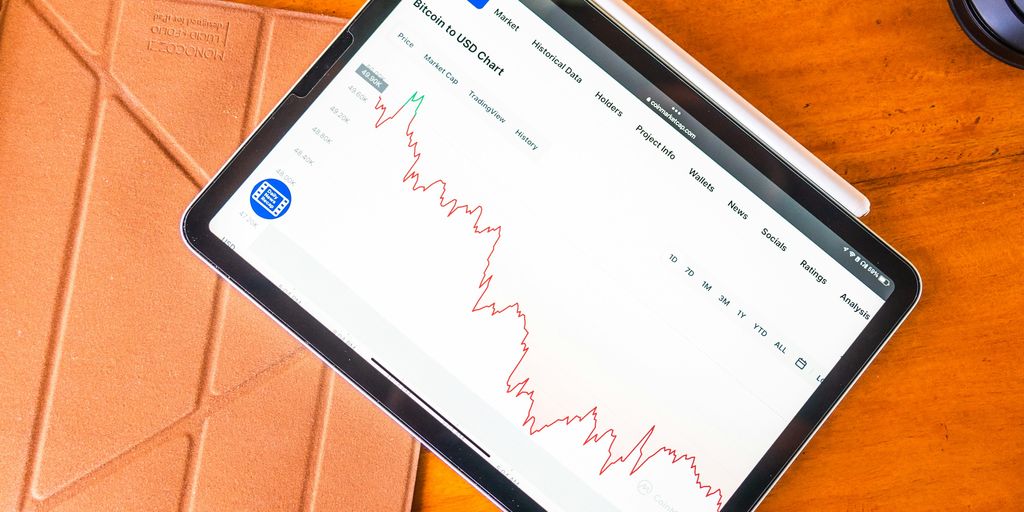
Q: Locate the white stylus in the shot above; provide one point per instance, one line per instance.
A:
(743, 112)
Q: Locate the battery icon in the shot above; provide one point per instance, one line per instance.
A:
(885, 281)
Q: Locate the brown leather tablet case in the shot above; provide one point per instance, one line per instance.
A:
(131, 378)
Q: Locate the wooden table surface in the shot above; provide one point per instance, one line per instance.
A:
(895, 98)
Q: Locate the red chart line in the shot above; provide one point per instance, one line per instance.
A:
(596, 435)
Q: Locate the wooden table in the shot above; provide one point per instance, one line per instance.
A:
(895, 98)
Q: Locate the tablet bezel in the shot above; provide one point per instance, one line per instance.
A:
(430, 425)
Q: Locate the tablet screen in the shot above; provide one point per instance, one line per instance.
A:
(594, 291)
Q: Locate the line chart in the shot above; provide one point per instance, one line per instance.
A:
(518, 385)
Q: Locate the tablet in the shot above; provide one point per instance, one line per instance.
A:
(552, 258)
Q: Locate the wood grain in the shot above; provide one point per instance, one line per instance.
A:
(896, 99)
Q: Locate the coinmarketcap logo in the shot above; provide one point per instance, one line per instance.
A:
(270, 199)
(645, 487)
(479, 4)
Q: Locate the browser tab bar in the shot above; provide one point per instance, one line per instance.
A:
(670, 114)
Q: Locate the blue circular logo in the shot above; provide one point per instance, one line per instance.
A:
(270, 199)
